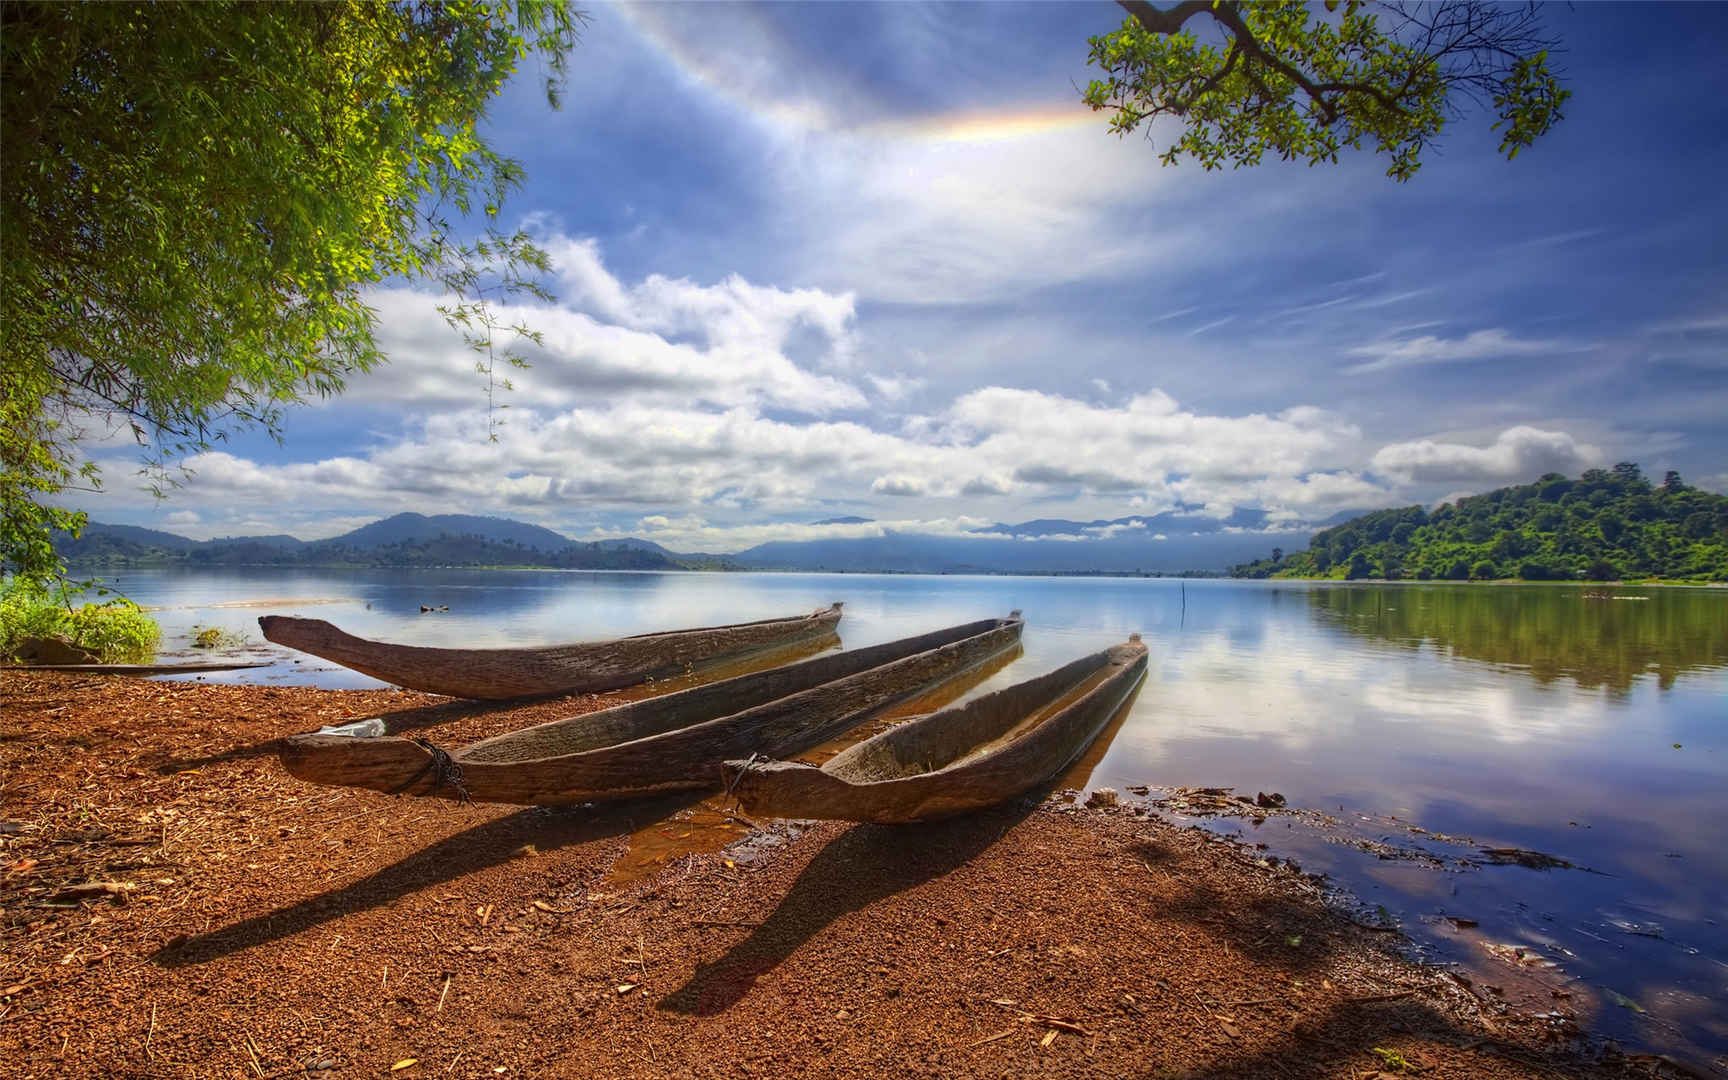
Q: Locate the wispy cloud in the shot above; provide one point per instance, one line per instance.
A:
(1429, 349)
(1703, 325)
(1388, 299)
(1168, 315)
(1320, 306)
(1213, 325)
(1556, 239)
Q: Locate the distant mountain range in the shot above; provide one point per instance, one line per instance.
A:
(402, 540)
(1174, 541)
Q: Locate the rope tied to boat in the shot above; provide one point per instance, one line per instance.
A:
(739, 775)
(449, 774)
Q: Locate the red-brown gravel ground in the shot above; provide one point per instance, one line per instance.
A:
(269, 928)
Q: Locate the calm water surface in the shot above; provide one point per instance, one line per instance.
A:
(1588, 723)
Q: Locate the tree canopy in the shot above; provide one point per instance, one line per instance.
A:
(194, 198)
(1303, 84)
(1605, 525)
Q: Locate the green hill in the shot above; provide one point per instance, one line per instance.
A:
(1607, 525)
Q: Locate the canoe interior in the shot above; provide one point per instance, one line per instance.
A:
(974, 730)
(671, 712)
(991, 749)
(915, 707)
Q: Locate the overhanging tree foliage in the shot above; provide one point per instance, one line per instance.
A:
(195, 196)
(1304, 83)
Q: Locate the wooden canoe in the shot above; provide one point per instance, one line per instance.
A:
(675, 742)
(586, 667)
(957, 760)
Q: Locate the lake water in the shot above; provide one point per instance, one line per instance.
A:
(1427, 722)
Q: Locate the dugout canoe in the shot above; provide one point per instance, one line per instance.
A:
(966, 758)
(584, 667)
(674, 742)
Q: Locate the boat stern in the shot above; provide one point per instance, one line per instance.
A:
(783, 789)
(385, 763)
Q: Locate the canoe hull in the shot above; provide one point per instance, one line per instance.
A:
(879, 779)
(671, 743)
(586, 667)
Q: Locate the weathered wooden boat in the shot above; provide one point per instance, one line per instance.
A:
(675, 742)
(584, 667)
(975, 755)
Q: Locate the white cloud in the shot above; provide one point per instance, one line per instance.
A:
(692, 532)
(895, 387)
(662, 339)
(670, 397)
(732, 312)
(1147, 444)
(1390, 354)
(667, 460)
(898, 484)
(1518, 453)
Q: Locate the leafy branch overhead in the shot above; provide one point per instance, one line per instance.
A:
(1304, 83)
(196, 197)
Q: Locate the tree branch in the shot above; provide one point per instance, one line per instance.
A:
(1225, 12)
(1164, 21)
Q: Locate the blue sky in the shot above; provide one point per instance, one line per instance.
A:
(845, 259)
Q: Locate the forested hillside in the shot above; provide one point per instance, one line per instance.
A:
(1607, 525)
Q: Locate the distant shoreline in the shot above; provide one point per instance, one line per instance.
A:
(1171, 575)
(1651, 584)
(176, 564)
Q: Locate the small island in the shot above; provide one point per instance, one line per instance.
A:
(1607, 525)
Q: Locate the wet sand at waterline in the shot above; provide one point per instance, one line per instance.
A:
(259, 926)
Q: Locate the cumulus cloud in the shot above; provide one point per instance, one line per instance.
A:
(1115, 529)
(555, 465)
(986, 485)
(1390, 354)
(667, 397)
(724, 344)
(1518, 453)
(894, 387)
(693, 532)
(899, 484)
(1148, 443)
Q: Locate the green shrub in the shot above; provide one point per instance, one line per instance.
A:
(116, 630)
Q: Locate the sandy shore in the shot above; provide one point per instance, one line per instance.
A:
(257, 926)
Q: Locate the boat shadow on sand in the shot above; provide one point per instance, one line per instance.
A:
(865, 864)
(490, 844)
